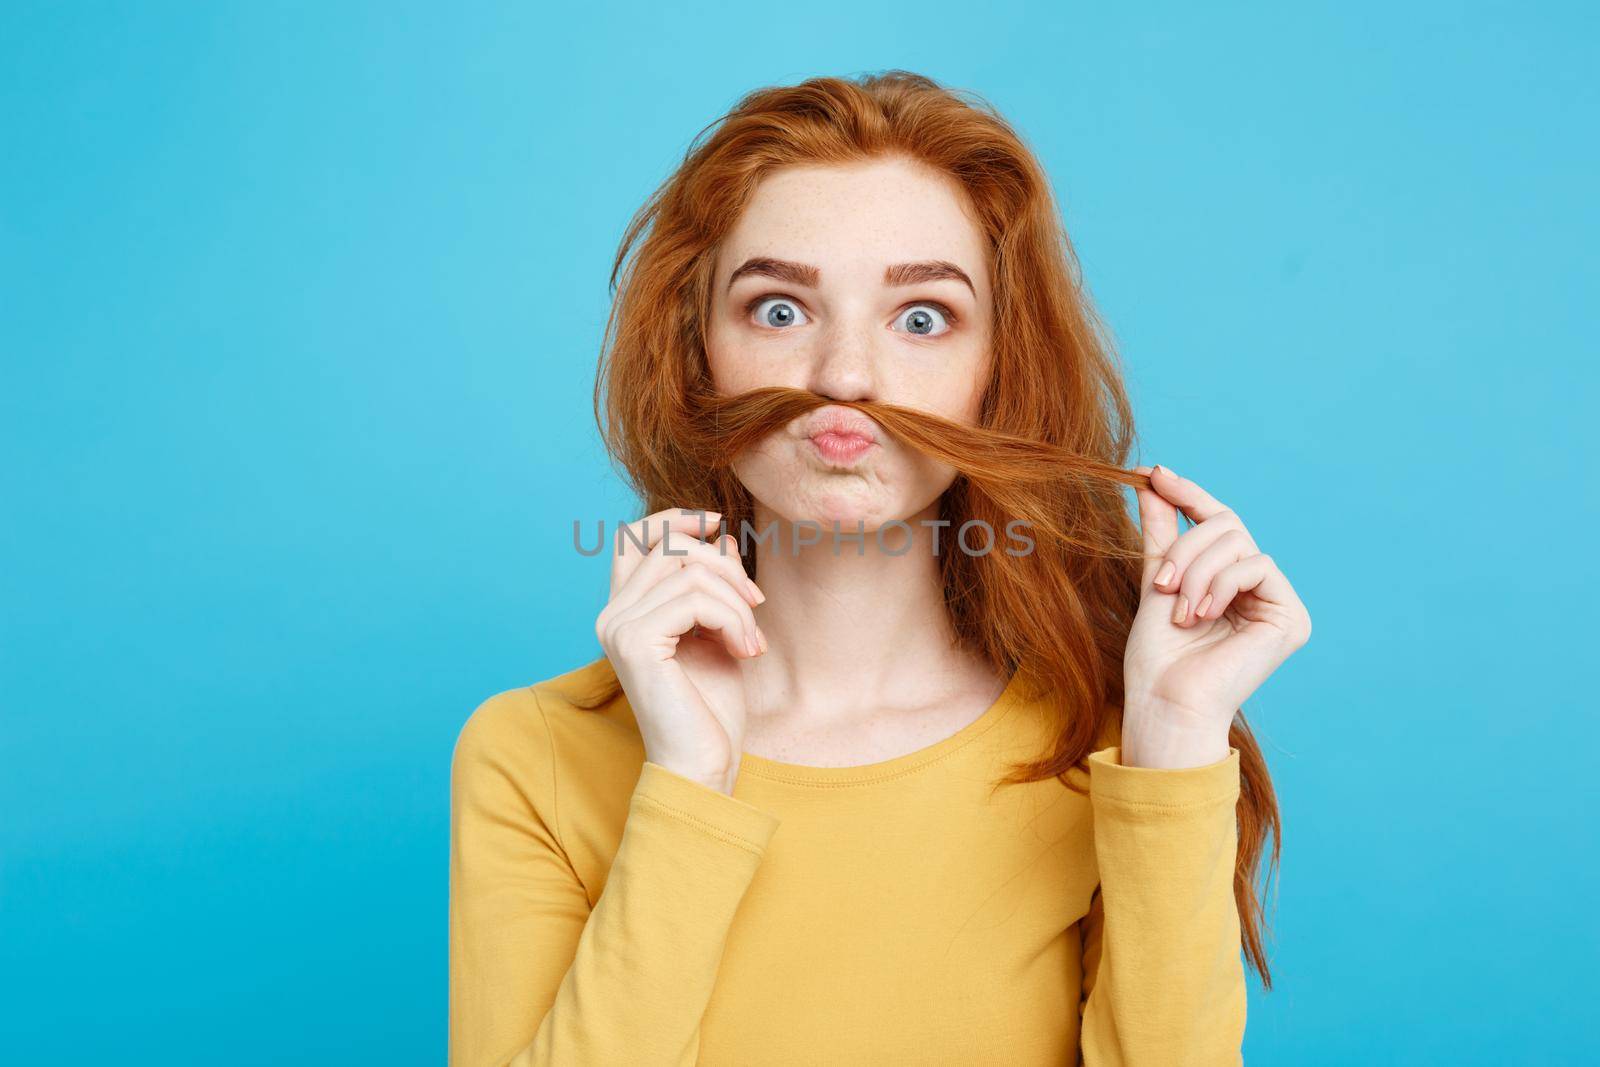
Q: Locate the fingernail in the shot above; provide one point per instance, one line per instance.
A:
(1168, 471)
(761, 598)
(1204, 604)
(763, 638)
(1182, 610)
(1164, 575)
(751, 646)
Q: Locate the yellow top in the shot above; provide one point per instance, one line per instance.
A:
(605, 910)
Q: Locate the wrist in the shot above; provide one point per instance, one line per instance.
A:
(1149, 741)
(721, 781)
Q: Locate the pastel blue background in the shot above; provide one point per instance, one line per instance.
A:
(299, 309)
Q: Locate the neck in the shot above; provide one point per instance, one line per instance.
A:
(852, 628)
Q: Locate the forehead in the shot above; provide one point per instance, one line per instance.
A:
(857, 218)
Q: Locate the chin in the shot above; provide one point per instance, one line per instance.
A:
(853, 501)
(851, 512)
(867, 495)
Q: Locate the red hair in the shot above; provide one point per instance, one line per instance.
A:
(1053, 437)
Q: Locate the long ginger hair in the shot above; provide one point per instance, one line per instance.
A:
(1051, 443)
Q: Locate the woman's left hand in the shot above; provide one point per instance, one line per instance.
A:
(1216, 617)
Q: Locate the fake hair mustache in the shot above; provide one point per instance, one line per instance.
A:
(1053, 488)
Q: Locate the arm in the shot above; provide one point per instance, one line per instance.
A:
(538, 977)
(1163, 978)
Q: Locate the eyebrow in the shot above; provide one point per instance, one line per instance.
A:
(785, 270)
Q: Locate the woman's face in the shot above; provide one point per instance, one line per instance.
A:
(866, 281)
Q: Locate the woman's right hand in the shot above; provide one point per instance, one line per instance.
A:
(675, 629)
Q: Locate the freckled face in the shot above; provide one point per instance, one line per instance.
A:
(852, 281)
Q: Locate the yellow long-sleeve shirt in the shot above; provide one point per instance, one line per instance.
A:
(605, 910)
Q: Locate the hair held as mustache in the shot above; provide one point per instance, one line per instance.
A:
(1021, 477)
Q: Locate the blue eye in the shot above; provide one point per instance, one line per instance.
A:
(926, 320)
(779, 313)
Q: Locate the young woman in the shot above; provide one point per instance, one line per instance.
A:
(884, 799)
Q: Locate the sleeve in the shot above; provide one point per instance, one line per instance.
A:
(539, 977)
(1163, 974)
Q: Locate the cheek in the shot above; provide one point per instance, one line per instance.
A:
(965, 390)
(957, 395)
(965, 404)
(738, 368)
(722, 362)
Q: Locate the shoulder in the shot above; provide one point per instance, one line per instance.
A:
(524, 712)
(524, 731)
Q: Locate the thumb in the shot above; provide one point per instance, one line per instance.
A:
(1158, 521)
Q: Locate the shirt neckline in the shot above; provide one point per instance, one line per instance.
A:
(894, 767)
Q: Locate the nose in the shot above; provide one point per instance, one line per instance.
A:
(845, 367)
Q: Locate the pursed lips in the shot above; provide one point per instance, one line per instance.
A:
(842, 436)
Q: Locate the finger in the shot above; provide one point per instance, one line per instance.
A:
(691, 575)
(1259, 576)
(664, 624)
(1187, 496)
(1196, 599)
(646, 575)
(717, 611)
(1193, 542)
(1158, 523)
(698, 580)
(634, 540)
(721, 556)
